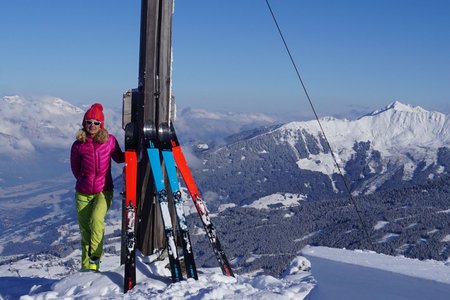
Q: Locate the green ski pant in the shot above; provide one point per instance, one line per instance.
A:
(91, 211)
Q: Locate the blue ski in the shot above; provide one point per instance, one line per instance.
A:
(161, 195)
(188, 254)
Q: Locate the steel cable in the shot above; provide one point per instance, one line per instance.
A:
(361, 220)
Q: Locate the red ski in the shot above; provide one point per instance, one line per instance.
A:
(129, 212)
(200, 205)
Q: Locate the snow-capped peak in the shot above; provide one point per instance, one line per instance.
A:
(58, 105)
(13, 99)
(398, 106)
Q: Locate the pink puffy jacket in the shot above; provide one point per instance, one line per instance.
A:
(91, 162)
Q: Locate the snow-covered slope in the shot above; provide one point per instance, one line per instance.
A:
(398, 131)
(399, 138)
(153, 281)
(336, 274)
(343, 274)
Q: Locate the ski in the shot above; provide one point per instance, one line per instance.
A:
(183, 231)
(161, 196)
(199, 203)
(129, 216)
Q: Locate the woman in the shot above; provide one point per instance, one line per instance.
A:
(90, 160)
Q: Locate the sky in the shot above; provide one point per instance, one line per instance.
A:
(354, 56)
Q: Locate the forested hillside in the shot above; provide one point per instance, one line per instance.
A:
(414, 222)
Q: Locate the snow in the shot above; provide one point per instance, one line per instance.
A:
(446, 238)
(379, 225)
(344, 274)
(318, 273)
(322, 162)
(153, 281)
(223, 207)
(283, 199)
(203, 146)
(388, 237)
(289, 215)
(398, 106)
(430, 270)
(306, 237)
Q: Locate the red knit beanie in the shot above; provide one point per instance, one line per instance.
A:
(95, 113)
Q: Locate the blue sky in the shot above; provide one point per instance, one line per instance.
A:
(355, 56)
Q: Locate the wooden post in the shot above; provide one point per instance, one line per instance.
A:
(154, 90)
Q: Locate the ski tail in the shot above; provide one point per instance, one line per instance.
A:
(129, 206)
(200, 205)
(183, 232)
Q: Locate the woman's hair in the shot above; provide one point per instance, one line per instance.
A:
(101, 136)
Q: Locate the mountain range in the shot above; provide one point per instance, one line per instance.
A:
(239, 157)
(399, 145)
(36, 133)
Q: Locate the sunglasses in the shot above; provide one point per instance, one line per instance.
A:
(96, 123)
